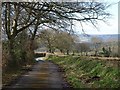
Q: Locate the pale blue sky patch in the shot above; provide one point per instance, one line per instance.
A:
(103, 28)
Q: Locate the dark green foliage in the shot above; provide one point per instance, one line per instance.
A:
(22, 54)
(106, 52)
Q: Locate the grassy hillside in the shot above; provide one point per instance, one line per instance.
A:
(82, 72)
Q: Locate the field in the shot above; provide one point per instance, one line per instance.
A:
(83, 72)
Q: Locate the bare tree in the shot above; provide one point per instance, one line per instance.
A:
(48, 37)
(18, 16)
(14, 22)
(55, 13)
(82, 47)
(64, 42)
(97, 44)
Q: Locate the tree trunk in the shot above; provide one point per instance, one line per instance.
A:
(50, 50)
(96, 53)
(12, 63)
(73, 53)
(67, 52)
(31, 51)
(61, 50)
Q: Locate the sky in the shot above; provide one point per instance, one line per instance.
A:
(103, 28)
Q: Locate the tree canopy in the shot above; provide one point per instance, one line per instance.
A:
(18, 17)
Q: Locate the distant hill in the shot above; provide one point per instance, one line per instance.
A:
(104, 37)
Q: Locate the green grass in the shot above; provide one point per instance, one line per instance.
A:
(79, 70)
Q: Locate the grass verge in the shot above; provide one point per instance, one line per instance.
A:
(83, 72)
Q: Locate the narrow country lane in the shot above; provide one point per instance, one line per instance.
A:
(44, 74)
